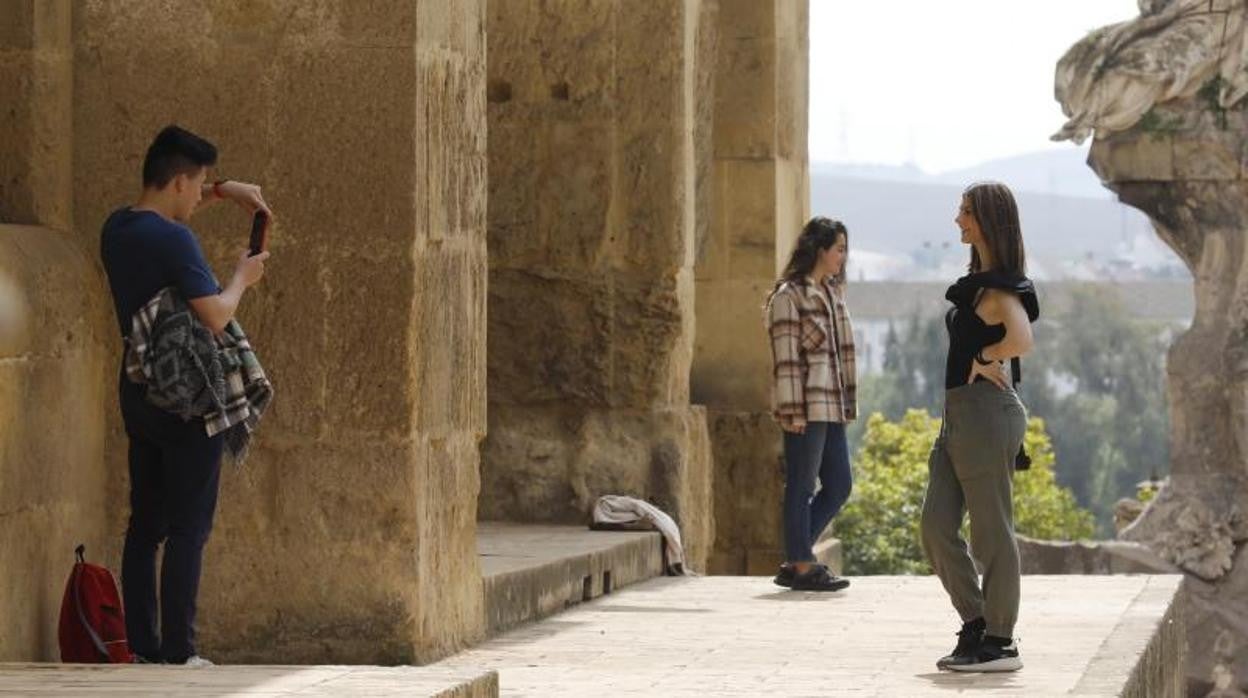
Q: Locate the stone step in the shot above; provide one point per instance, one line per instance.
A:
(140, 680)
(530, 571)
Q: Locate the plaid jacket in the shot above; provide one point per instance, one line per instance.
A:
(812, 351)
(192, 373)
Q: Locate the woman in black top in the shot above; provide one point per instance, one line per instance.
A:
(981, 436)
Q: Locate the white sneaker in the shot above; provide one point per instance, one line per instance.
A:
(197, 662)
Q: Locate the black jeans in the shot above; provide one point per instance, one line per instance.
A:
(175, 470)
(820, 452)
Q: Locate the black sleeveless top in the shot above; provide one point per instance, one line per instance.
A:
(968, 334)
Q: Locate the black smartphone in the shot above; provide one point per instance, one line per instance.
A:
(259, 233)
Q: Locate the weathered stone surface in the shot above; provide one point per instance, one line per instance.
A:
(367, 129)
(57, 378)
(36, 79)
(365, 126)
(760, 197)
(760, 200)
(1179, 167)
(749, 493)
(722, 636)
(552, 464)
(596, 190)
(733, 367)
(1079, 557)
(1126, 511)
(530, 571)
(1178, 49)
(145, 681)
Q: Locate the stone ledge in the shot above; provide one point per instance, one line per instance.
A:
(532, 571)
(1147, 646)
(1096, 557)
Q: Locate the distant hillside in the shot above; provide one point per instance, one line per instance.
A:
(1060, 172)
(896, 219)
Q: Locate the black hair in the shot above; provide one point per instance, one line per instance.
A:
(817, 235)
(175, 151)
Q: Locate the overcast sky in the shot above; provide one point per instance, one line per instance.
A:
(943, 84)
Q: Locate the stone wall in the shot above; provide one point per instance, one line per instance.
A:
(36, 79)
(349, 535)
(55, 366)
(760, 197)
(629, 143)
(57, 353)
(593, 136)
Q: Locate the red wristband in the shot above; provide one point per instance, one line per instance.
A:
(216, 188)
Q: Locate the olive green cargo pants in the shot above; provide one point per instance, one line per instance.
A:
(970, 470)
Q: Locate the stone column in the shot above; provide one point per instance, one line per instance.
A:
(761, 198)
(349, 534)
(55, 342)
(36, 79)
(593, 216)
(1190, 175)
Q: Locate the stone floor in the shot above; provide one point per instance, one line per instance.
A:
(727, 636)
(739, 636)
(44, 680)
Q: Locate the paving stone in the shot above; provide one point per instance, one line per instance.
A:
(728, 636)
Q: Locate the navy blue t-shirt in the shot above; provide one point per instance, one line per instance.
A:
(144, 252)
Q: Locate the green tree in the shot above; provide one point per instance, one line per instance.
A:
(880, 526)
(1096, 376)
(913, 374)
(1110, 422)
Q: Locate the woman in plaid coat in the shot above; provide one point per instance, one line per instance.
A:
(812, 345)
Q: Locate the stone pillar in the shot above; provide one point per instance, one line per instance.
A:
(36, 79)
(593, 130)
(761, 198)
(1191, 178)
(55, 342)
(349, 534)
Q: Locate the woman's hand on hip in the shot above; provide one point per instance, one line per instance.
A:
(996, 372)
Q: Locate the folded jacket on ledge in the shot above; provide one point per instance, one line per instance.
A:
(193, 373)
(614, 509)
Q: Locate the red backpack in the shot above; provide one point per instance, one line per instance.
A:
(93, 627)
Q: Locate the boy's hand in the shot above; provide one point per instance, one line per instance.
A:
(250, 269)
(246, 195)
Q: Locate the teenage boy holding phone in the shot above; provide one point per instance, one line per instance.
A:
(174, 465)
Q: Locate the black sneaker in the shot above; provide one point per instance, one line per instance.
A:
(818, 578)
(784, 578)
(969, 637)
(993, 654)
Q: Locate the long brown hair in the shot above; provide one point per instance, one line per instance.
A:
(817, 235)
(994, 209)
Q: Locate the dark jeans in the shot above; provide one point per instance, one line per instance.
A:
(822, 452)
(175, 469)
